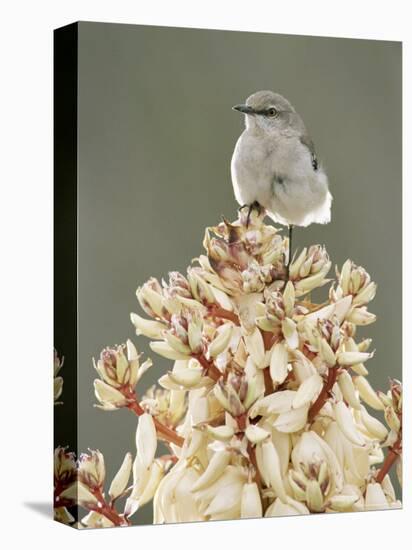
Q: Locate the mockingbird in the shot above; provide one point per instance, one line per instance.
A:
(275, 167)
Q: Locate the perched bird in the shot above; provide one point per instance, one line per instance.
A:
(275, 167)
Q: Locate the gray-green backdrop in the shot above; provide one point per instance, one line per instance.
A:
(156, 134)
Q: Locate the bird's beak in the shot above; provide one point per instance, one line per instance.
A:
(244, 109)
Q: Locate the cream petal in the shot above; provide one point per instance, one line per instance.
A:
(255, 434)
(346, 423)
(165, 350)
(151, 329)
(342, 503)
(374, 427)
(367, 393)
(292, 421)
(275, 403)
(256, 348)
(214, 470)
(146, 439)
(250, 503)
(279, 363)
(271, 467)
(347, 358)
(308, 391)
(221, 433)
(121, 479)
(290, 333)
(221, 340)
(348, 389)
(375, 497)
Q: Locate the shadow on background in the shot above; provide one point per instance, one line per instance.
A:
(45, 509)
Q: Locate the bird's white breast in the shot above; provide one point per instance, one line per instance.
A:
(249, 168)
(257, 161)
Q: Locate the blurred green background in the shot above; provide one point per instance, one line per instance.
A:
(156, 135)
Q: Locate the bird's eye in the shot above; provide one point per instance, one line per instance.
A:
(272, 112)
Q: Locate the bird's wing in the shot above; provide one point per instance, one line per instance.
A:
(307, 142)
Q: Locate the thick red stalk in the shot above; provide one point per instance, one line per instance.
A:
(324, 394)
(217, 311)
(390, 460)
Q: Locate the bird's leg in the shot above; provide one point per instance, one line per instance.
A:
(290, 248)
(254, 206)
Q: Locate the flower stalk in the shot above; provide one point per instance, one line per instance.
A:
(324, 394)
(394, 453)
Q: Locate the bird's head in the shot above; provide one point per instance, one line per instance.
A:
(268, 111)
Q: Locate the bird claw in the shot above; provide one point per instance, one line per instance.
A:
(254, 206)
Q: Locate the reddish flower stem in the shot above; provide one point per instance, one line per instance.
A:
(252, 456)
(58, 500)
(217, 311)
(269, 338)
(268, 381)
(105, 510)
(324, 394)
(390, 460)
(211, 370)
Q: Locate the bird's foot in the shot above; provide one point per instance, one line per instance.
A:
(254, 206)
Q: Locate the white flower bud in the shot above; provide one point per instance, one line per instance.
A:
(221, 433)
(176, 344)
(290, 333)
(256, 348)
(361, 316)
(367, 393)
(313, 496)
(271, 469)
(309, 283)
(146, 439)
(297, 264)
(165, 350)
(151, 329)
(374, 427)
(153, 299)
(375, 497)
(186, 377)
(326, 352)
(365, 295)
(251, 504)
(345, 276)
(121, 479)
(221, 340)
(392, 419)
(195, 335)
(308, 391)
(342, 308)
(342, 503)
(292, 421)
(347, 358)
(289, 298)
(279, 363)
(214, 470)
(143, 492)
(108, 396)
(80, 494)
(348, 389)
(346, 423)
(291, 508)
(275, 403)
(255, 434)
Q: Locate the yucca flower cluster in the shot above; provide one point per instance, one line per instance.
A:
(266, 409)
